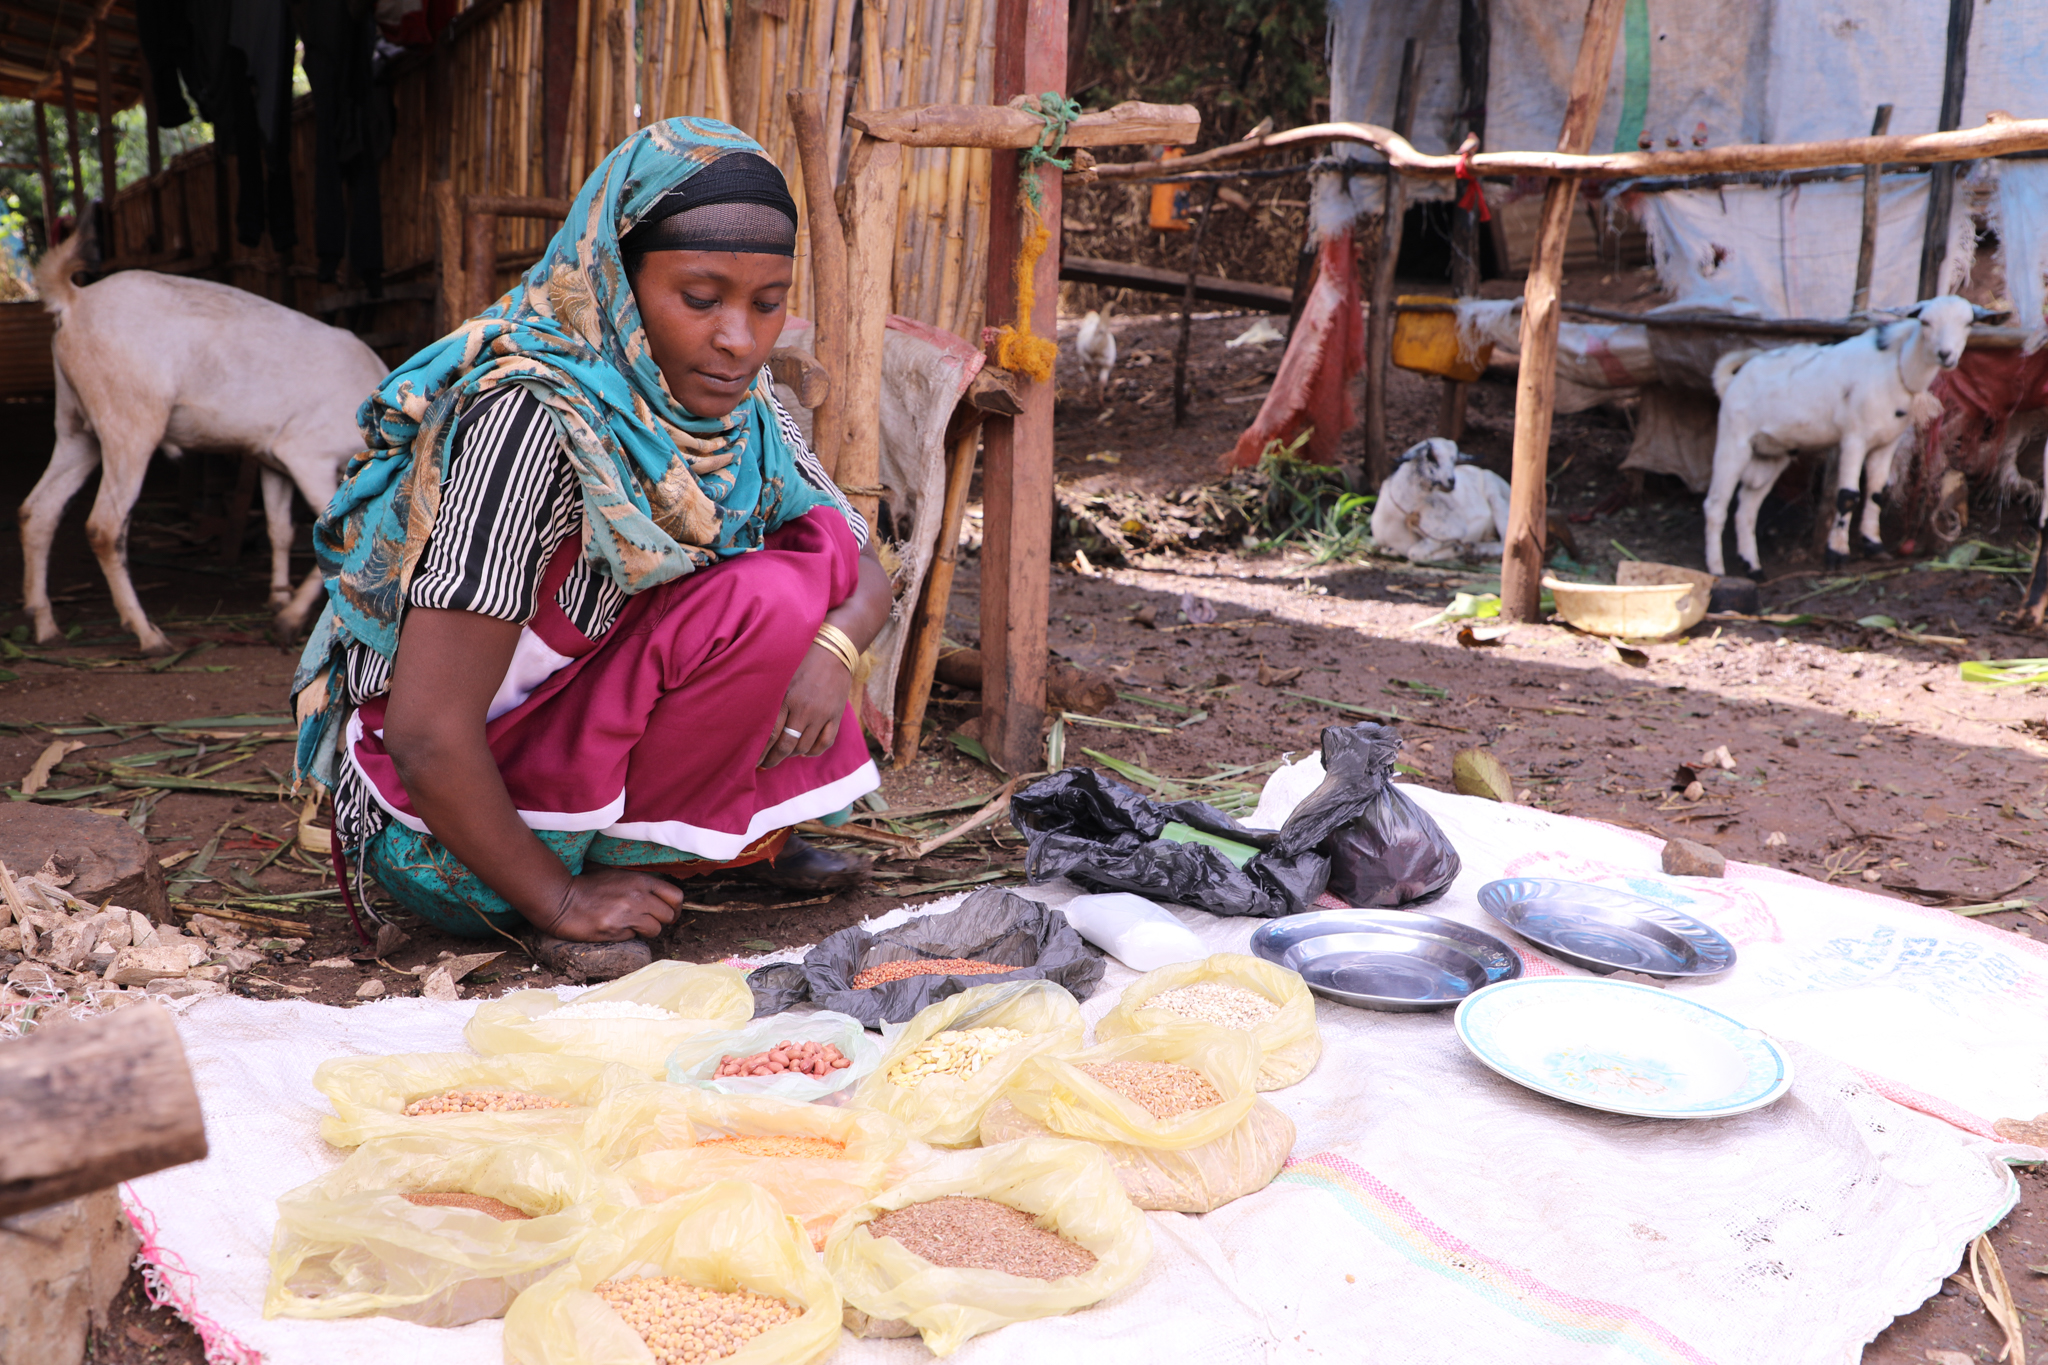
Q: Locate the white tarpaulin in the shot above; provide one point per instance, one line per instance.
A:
(1431, 1210)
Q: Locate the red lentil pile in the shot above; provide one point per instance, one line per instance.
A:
(884, 972)
(807, 1059)
(480, 1101)
(456, 1199)
(966, 1233)
(1164, 1089)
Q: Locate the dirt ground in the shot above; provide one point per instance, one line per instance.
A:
(1858, 755)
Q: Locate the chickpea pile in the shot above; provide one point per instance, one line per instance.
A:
(685, 1325)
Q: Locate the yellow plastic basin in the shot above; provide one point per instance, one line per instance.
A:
(1652, 602)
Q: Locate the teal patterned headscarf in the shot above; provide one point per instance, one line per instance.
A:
(665, 492)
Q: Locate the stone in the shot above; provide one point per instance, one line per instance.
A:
(369, 990)
(140, 966)
(184, 987)
(1684, 858)
(62, 1268)
(113, 861)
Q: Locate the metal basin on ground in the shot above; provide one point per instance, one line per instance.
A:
(1604, 930)
(1386, 959)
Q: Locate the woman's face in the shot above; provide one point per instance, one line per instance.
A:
(711, 318)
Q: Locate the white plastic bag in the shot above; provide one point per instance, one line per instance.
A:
(695, 1063)
(1133, 930)
(704, 999)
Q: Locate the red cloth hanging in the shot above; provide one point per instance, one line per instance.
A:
(1313, 387)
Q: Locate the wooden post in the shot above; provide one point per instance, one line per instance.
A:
(1941, 186)
(1379, 312)
(110, 164)
(1017, 474)
(1866, 250)
(557, 80)
(454, 294)
(78, 200)
(153, 144)
(929, 624)
(238, 510)
(874, 178)
(1187, 309)
(479, 264)
(94, 1103)
(1521, 562)
(828, 273)
(1475, 55)
(49, 173)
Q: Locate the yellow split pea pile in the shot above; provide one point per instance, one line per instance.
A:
(979, 1234)
(956, 1052)
(480, 1101)
(884, 972)
(685, 1325)
(1163, 1089)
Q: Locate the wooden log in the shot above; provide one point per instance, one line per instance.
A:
(1475, 57)
(1997, 136)
(873, 175)
(828, 269)
(999, 126)
(914, 687)
(1941, 186)
(78, 202)
(1521, 567)
(1866, 247)
(479, 264)
(996, 391)
(448, 244)
(1153, 280)
(801, 373)
(238, 510)
(103, 118)
(49, 174)
(1187, 311)
(1066, 688)
(1017, 453)
(517, 206)
(1379, 313)
(94, 1102)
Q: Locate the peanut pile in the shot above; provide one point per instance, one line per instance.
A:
(483, 1100)
(1213, 1002)
(685, 1325)
(884, 972)
(1163, 1089)
(956, 1052)
(456, 1199)
(807, 1059)
(778, 1146)
(979, 1234)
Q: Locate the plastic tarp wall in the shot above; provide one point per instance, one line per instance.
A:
(1366, 38)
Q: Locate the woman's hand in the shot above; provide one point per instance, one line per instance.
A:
(812, 708)
(611, 905)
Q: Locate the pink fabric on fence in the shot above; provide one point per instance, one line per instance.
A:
(1313, 387)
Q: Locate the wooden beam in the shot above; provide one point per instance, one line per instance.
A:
(77, 158)
(802, 375)
(998, 126)
(1941, 187)
(479, 263)
(928, 625)
(1379, 313)
(448, 246)
(557, 76)
(1997, 136)
(517, 206)
(1866, 247)
(92, 1103)
(828, 270)
(1270, 298)
(1017, 466)
(874, 178)
(110, 161)
(1521, 566)
(67, 56)
(49, 174)
(1475, 57)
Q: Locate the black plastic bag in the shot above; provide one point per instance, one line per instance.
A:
(1104, 836)
(991, 925)
(1384, 849)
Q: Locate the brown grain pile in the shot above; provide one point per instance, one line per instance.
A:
(965, 1233)
(685, 1325)
(456, 1199)
(1163, 1089)
(778, 1146)
(884, 972)
(480, 1101)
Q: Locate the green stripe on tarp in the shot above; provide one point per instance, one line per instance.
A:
(1635, 89)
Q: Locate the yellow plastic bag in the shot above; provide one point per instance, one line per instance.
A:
(1289, 1045)
(1068, 1186)
(650, 1135)
(370, 1094)
(1054, 1091)
(946, 1110)
(726, 1236)
(350, 1244)
(705, 998)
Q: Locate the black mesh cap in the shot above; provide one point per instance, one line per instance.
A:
(739, 202)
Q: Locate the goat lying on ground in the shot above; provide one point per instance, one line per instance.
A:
(1438, 504)
(146, 360)
(1862, 395)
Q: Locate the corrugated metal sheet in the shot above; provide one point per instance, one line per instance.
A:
(25, 371)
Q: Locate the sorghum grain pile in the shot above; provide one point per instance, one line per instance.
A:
(1164, 1089)
(456, 1199)
(980, 1234)
(884, 972)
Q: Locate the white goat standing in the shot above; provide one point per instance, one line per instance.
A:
(1438, 504)
(146, 360)
(1862, 395)
(1095, 345)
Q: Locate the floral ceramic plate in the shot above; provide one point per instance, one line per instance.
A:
(1622, 1047)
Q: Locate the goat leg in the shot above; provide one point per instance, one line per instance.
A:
(1731, 461)
(277, 518)
(76, 455)
(290, 621)
(1877, 479)
(2037, 583)
(124, 460)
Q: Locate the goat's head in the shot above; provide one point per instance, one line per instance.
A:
(1436, 461)
(1945, 326)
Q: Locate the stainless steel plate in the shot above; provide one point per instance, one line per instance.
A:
(1604, 930)
(1386, 959)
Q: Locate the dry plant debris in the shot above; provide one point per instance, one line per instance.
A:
(956, 1052)
(484, 1100)
(1162, 1089)
(965, 1233)
(884, 972)
(683, 1324)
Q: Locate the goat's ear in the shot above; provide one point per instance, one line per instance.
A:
(1992, 315)
(1414, 452)
(1463, 458)
(1914, 311)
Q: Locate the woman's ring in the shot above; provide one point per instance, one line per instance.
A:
(793, 734)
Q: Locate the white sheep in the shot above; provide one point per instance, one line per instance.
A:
(1862, 395)
(1438, 504)
(146, 360)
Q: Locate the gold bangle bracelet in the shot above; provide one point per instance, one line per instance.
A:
(839, 644)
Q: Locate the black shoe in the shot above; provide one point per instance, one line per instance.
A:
(802, 866)
(590, 961)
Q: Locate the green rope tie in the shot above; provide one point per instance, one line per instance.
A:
(1056, 113)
